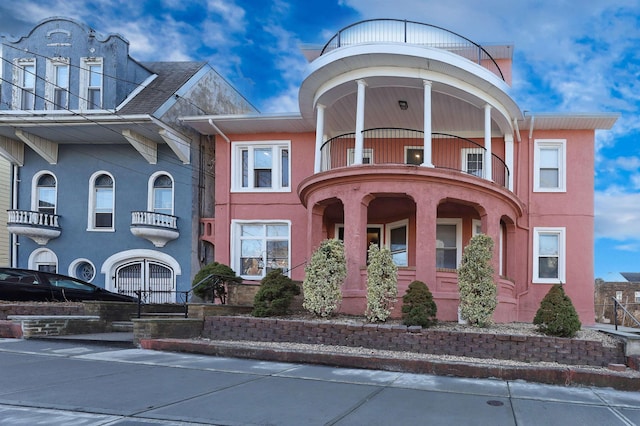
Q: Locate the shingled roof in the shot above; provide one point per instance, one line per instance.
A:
(633, 277)
(171, 76)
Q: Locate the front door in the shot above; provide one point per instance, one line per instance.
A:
(154, 280)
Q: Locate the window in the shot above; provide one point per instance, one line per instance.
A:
(397, 240)
(367, 156)
(25, 77)
(414, 155)
(45, 193)
(57, 88)
(101, 202)
(260, 247)
(91, 83)
(82, 269)
(637, 296)
(549, 255)
(549, 160)
(619, 296)
(448, 243)
(43, 260)
(263, 166)
(161, 192)
(472, 161)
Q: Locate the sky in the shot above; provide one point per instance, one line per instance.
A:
(571, 56)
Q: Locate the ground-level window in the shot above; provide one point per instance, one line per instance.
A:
(398, 243)
(549, 255)
(618, 295)
(82, 269)
(43, 260)
(260, 247)
(448, 243)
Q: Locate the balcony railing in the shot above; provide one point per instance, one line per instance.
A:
(39, 226)
(405, 146)
(159, 228)
(415, 33)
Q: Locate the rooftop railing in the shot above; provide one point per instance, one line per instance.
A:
(415, 33)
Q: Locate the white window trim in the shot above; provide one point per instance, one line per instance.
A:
(234, 245)
(562, 259)
(18, 76)
(36, 254)
(561, 145)
(366, 153)
(458, 223)
(83, 103)
(276, 178)
(406, 152)
(394, 225)
(50, 86)
(92, 199)
(151, 192)
(636, 296)
(34, 190)
(464, 152)
(73, 265)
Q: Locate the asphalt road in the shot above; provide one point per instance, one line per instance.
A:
(66, 383)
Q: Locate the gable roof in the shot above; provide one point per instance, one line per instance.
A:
(633, 277)
(170, 77)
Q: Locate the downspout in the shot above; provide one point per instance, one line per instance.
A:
(529, 190)
(212, 124)
(14, 206)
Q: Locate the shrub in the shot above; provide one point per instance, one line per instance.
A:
(275, 295)
(214, 286)
(418, 307)
(478, 292)
(557, 316)
(324, 276)
(382, 284)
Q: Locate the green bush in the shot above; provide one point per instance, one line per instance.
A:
(557, 316)
(382, 284)
(418, 307)
(214, 286)
(478, 291)
(324, 276)
(275, 295)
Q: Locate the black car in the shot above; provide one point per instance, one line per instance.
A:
(28, 285)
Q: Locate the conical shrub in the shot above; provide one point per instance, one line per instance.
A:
(557, 316)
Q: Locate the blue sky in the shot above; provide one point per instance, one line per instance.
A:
(570, 56)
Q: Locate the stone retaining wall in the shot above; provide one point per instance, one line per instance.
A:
(415, 339)
(58, 325)
(34, 308)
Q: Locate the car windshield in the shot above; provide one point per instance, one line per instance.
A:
(23, 277)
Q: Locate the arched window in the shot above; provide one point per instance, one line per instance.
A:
(101, 202)
(43, 260)
(162, 194)
(45, 194)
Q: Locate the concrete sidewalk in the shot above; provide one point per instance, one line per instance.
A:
(60, 383)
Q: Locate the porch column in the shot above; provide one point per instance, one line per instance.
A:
(355, 238)
(359, 143)
(508, 154)
(426, 218)
(315, 230)
(317, 167)
(488, 174)
(491, 227)
(426, 155)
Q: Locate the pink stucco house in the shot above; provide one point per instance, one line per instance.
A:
(408, 137)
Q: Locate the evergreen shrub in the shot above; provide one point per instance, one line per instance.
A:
(557, 316)
(214, 286)
(324, 276)
(418, 306)
(275, 295)
(382, 284)
(478, 291)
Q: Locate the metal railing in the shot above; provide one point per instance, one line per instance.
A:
(616, 304)
(32, 218)
(161, 220)
(415, 33)
(406, 146)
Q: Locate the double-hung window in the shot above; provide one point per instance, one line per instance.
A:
(549, 161)
(161, 194)
(25, 89)
(473, 161)
(397, 240)
(57, 89)
(101, 202)
(91, 82)
(549, 255)
(448, 243)
(261, 166)
(45, 201)
(260, 247)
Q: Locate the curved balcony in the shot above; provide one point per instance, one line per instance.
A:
(415, 33)
(39, 226)
(405, 146)
(158, 228)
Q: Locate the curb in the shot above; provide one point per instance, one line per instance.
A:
(565, 376)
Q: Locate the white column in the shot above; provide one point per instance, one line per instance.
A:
(487, 142)
(426, 155)
(508, 159)
(357, 157)
(319, 137)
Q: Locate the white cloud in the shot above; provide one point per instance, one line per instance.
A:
(617, 215)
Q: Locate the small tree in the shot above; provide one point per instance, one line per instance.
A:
(478, 292)
(418, 306)
(324, 276)
(382, 284)
(275, 295)
(557, 316)
(211, 281)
